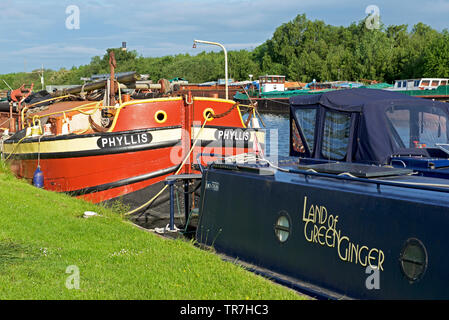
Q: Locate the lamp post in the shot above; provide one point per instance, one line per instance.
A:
(226, 59)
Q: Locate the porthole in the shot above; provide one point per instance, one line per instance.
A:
(208, 112)
(282, 228)
(413, 260)
(160, 116)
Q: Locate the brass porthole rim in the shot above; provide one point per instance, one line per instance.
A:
(158, 113)
(205, 113)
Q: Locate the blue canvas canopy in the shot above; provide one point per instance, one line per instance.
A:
(366, 125)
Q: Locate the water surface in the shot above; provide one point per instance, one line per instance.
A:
(278, 133)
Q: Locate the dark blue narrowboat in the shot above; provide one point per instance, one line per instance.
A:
(361, 213)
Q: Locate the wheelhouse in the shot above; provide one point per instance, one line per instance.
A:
(270, 83)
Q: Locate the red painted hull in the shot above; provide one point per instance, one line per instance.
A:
(101, 178)
(139, 152)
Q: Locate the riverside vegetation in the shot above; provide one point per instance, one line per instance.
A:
(44, 239)
(300, 49)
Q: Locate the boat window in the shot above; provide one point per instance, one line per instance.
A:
(282, 227)
(425, 83)
(337, 127)
(400, 119)
(404, 84)
(307, 120)
(435, 83)
(416, 83)
(444, 83)
(419, 127)
(399, 84)
(433, 128)
(414, 259)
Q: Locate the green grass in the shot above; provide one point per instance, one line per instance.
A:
(43, 233)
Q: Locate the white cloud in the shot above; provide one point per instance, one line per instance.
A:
(165, 27)
(57, 50)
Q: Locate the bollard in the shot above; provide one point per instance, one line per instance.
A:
(186, 201)
(171, 185)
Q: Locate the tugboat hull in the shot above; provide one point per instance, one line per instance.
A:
(147, 141)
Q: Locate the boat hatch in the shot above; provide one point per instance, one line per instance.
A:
(357, 170)
(261, 169)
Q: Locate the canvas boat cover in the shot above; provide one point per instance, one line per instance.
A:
(383, 123)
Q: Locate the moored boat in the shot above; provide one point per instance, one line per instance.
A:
(331, 235)
(106, 151)
(419, 84)
(371, 126)
(347, 216)
(272, 92)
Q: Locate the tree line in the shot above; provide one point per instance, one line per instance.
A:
(300, 49)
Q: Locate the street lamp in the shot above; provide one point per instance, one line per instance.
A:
(226, 58)
(41, 75)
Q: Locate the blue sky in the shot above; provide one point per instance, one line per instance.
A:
(33, 33)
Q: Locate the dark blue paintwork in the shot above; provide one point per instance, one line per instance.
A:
(239, 213)
(343, 192)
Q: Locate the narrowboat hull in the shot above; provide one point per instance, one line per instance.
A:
(333, 238)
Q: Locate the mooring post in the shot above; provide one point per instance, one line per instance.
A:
(170, 181)
(186, 201)
(171, 185)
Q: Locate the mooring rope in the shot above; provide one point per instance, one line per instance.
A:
(176, 173)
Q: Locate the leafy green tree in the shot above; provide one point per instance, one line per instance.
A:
(300, 49)
(436, 57)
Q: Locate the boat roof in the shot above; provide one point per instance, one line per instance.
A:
(422, 79)
(362, 99)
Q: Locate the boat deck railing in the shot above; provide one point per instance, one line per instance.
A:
(344, 176)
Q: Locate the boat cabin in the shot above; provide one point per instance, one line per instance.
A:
(419, 84)
(370, 126)
(271, 83)
(180, 81)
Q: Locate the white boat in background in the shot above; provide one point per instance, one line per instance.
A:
(419, 84)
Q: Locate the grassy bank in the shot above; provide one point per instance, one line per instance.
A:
(43, 233)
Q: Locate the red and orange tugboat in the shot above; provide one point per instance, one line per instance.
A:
(118, 147)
